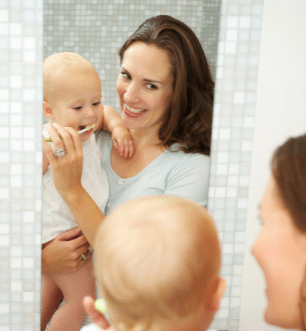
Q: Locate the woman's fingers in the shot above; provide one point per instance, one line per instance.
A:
(71, 234)
(70, 138)
(48, 151)
(64, 253)
(80, 241)
(67, 168)
(79, 245)
(83, 258)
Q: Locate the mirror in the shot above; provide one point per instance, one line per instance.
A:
(97, 30)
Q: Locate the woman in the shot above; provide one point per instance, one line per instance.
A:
(280, 247)
(166, 91)
(166, 96)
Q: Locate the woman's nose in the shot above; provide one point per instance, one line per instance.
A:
(131, 94)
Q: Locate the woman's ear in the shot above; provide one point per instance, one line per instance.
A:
(216, 294)
(48, 112)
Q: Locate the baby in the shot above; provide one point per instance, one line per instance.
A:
(72, 97)
(157, 261)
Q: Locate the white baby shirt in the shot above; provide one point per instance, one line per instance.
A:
(56, 216)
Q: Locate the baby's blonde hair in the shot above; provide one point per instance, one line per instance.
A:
(57, 65)
(156, 259)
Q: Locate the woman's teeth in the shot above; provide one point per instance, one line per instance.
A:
(134, 110)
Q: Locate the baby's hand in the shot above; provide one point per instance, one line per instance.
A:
(97, 317)
(123, 141)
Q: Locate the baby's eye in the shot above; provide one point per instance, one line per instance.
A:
(151, 86)
(96, 103)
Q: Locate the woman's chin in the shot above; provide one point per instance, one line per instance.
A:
(282, 320)
(128, 122)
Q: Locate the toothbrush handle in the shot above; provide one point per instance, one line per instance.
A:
(49, 139)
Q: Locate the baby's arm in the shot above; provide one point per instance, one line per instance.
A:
(122, 139)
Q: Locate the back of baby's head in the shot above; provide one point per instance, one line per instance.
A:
(156, 260)
(57, 65)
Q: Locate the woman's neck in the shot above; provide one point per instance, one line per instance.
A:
(147, 138)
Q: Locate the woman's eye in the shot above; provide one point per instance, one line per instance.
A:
(151, 86)
(260, 219)
(78, 108)
(96, 103)
(125, 75)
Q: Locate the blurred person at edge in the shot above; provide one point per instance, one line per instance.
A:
(280, 246)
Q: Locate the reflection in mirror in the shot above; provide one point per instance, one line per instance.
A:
(96, 32)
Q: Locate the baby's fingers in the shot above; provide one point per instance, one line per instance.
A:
(119, 145)
(131, 148)
(126, 148)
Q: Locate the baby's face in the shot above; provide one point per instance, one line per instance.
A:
(76, 101)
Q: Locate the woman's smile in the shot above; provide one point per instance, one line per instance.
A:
(133, 112)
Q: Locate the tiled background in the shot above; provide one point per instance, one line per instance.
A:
(234, 110)
(96, 30)
(20, 163)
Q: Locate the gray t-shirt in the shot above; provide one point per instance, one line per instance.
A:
(171, 173)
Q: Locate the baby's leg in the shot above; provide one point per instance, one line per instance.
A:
(50, 297)
(75, 286)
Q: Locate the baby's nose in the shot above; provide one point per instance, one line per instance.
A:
(90, 112)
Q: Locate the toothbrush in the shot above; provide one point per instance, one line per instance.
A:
(100, 305)
(88, 127)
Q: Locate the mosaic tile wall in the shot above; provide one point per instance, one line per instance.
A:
(96, 29)
(20, 163)
(234, 110)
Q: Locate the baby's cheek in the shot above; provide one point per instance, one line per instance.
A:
(72, 124)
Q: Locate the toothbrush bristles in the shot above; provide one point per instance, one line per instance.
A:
(88, 127)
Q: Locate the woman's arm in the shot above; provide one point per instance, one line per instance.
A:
(67, 172)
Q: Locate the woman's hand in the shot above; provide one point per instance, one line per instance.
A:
(66, 169)
(64, 253)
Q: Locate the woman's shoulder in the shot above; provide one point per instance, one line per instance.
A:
(175, 153)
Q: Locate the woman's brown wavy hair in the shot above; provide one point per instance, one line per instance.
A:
(289, 170)
(189, 118)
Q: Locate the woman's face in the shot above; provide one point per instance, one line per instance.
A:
(280, 250)
(144, 86)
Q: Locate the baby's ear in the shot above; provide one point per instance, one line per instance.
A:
(48, 112)
(217, 293)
